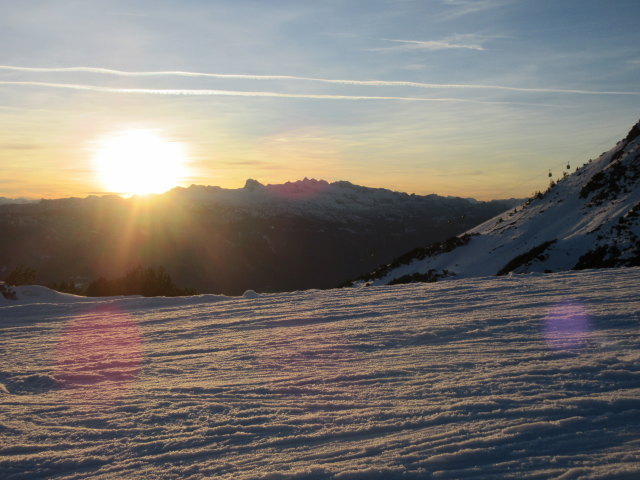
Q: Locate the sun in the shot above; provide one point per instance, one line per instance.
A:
(139, 162)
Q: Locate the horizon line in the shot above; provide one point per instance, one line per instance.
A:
(128, 195)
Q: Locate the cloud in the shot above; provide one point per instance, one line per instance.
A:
(247, 163)
(460, 173)
(243, 93)
(19, 146)
(431, 45)
(414, 67)
(102, 192)
(371, 83)
(465, 7)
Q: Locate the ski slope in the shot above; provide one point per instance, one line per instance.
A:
(522, 377)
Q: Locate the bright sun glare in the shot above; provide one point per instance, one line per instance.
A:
(139, 162)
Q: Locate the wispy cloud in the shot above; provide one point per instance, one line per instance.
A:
(354, 82)
(431, 45)
(160, 73)
(241, 93)
(19, 146)
(465, 7)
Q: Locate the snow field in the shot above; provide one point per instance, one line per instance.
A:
(533, 376)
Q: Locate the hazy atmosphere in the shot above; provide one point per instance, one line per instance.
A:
(468, 98)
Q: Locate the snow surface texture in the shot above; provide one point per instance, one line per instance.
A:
(523, 377)
(589, 219)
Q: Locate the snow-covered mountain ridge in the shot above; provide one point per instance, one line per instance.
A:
(589, 219)
(319, 199)
(298, 235)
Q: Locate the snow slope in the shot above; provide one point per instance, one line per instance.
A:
(589, 219)
(523, 377)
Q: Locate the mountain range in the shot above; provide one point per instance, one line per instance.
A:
(292, 236)
(588, 219)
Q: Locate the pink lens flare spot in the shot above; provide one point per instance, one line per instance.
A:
(99, 354)
(567, 326)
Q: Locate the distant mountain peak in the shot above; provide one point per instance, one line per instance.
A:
(300, 189)
(252, 184)
(308, 182)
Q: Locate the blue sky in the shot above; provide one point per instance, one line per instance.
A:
(470, 98)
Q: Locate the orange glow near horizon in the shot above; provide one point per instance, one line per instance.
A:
(139, 162)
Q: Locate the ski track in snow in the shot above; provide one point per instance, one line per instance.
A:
(472, 378)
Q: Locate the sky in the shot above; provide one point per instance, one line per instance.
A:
(456, 97)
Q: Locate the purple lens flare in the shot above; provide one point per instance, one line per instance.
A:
(99, 354)
(567, 326)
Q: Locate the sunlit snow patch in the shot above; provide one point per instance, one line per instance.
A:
(566, 326)
(99, 354)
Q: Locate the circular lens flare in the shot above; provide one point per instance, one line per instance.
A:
(566, 326)
(99, 354)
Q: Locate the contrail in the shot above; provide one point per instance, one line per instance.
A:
(431, 44)
(375, 83)
(242, 93)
